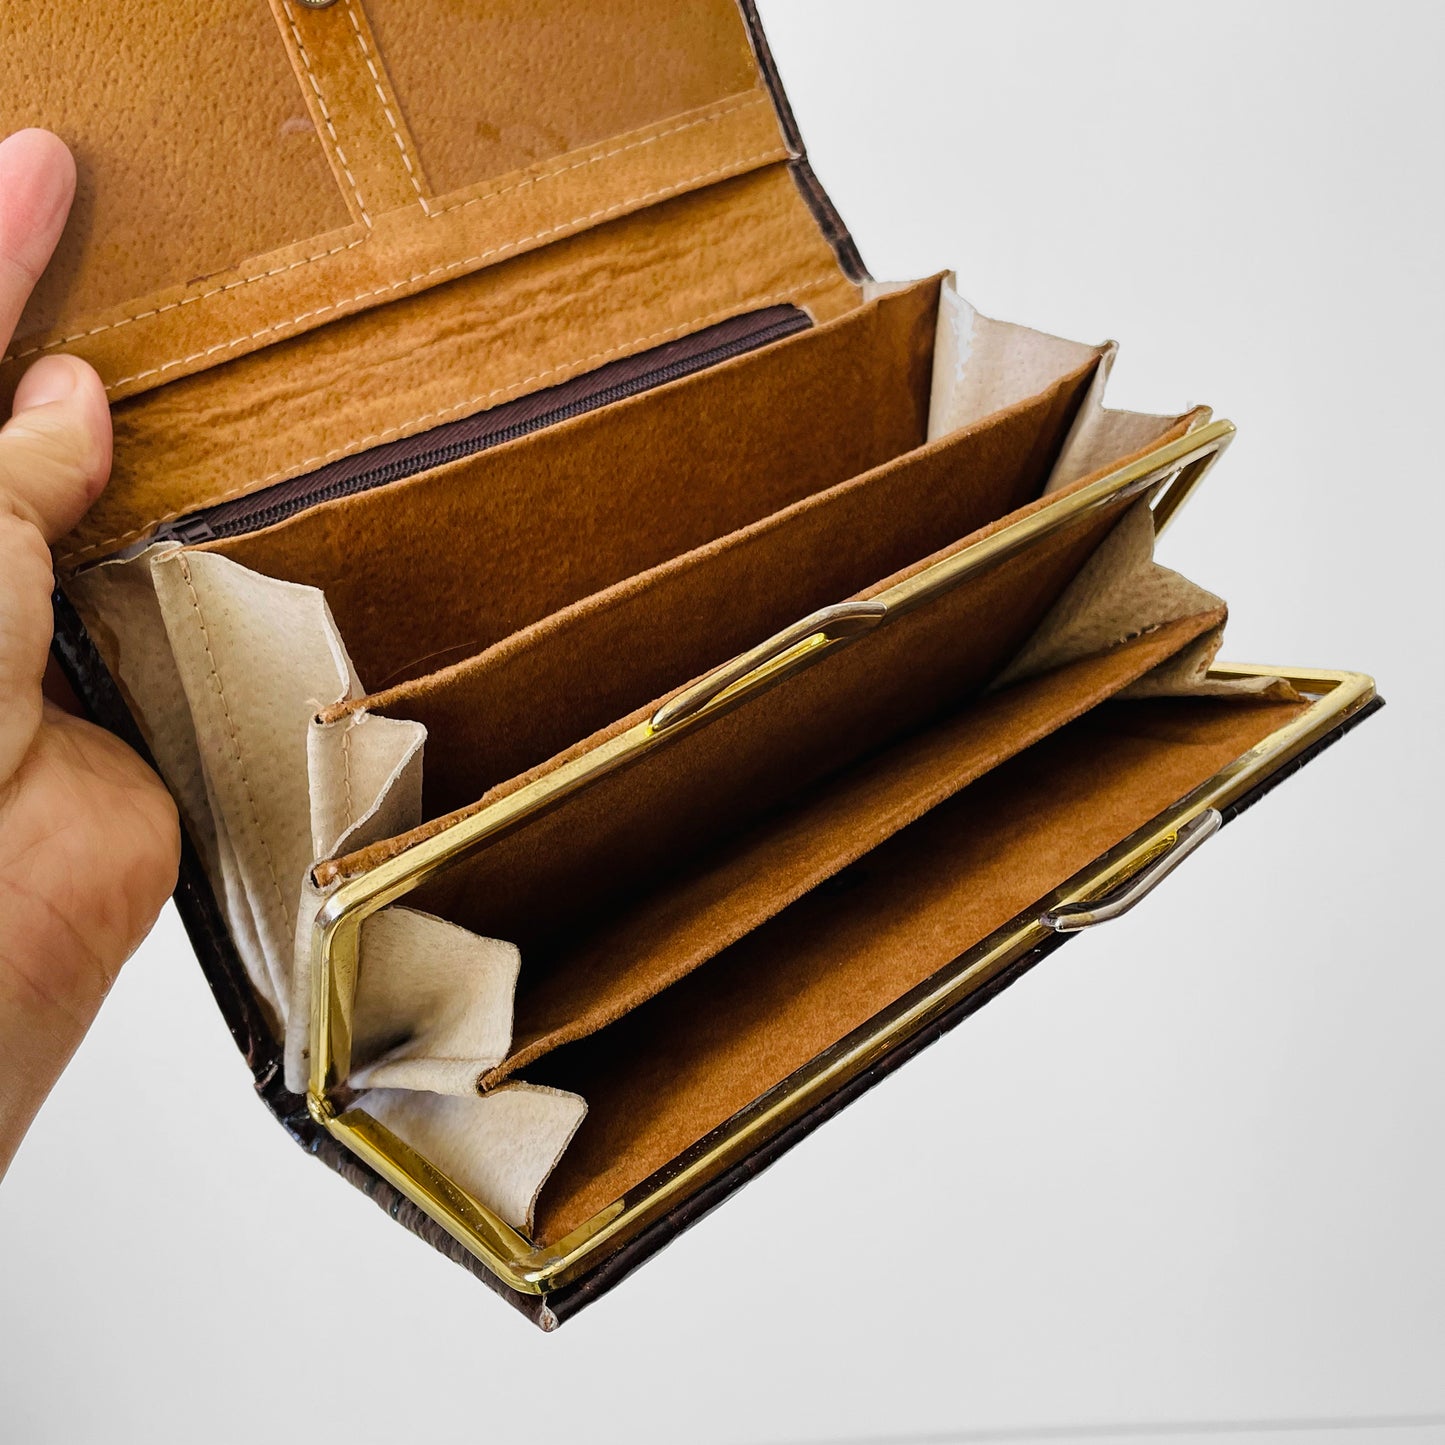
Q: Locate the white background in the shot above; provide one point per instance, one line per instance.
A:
(1190, 1170)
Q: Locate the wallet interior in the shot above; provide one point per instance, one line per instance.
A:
(471, 422)
(596, 990)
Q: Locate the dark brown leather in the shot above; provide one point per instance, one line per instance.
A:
(829, 221)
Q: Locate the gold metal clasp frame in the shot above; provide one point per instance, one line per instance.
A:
(1170, 473)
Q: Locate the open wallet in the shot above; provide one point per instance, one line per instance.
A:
(629, 679)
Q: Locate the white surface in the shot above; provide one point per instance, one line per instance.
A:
(1194, 1169)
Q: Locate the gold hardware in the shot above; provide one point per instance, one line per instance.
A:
(337, 934)
(771, 658)
(1335, 696)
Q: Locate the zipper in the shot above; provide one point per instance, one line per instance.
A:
(394, 461)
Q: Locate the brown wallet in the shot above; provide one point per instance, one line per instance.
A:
(629, 679)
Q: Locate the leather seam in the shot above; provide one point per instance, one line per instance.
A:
(184, 301)
(325, 110)
(361, 240)
(479, 402)
(386, 107)
(599, 156)
(734, 168)
(235, 742)
(346, 770)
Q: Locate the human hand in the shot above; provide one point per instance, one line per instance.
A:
(89, 839)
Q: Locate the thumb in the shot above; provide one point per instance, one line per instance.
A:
(55, 449)
(54, 457)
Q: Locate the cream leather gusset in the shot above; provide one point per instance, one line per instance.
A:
(256, 659)
(220, 664)
(364, 783)
(499, 1147)
(436, 1026)
(364, 774)
(1100, 435)
(1120, 593)
(981, 365)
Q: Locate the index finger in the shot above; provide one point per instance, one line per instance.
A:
(37, 185)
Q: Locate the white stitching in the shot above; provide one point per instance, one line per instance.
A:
(335, 250)
(477, 402)
(466, 261)
(184, 301)
(386, 107)
(600, 156)
(235, 743)
(325, 111)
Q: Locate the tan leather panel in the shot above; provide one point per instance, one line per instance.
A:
(661, 1078)
(821, 407)
(192, 142)
(616, 963)
(459, 349)
(248, 199)
(494, 86)
(356, 114)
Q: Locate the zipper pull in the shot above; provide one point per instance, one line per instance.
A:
(186, 530)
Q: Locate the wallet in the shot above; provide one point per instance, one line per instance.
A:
(629, 679)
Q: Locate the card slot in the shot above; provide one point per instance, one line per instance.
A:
(623, 959)
(508, 710)
(476, 549)
(603, 847)
(684, 1063)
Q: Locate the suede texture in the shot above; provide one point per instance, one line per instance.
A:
(575, 671)
(910, 671)
(617, 961)
(255, 175)
(489, 120)
(683, 1064)
(242, 425)
(555, 516)
(599, 848)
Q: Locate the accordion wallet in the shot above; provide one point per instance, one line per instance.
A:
(629, 679)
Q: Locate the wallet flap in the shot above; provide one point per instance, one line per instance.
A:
(250, 170)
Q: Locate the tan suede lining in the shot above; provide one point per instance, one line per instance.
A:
(602, 846)
(556, 77)
(681, 1065)
(915, 668)
(577, 671)
(260, 178)
(574, 509)
(608, 966)
(459, 349)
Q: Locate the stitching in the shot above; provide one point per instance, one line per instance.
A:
(346, 768)
(386, 107)
(600, 156)
(325, 110)
(478, 402)
(235, 741)
(184, 301)
(335, 250)
(464, 262)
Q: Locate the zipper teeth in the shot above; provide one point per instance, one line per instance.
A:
(198, 527)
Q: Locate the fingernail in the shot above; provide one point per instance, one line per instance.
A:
(52, 380)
